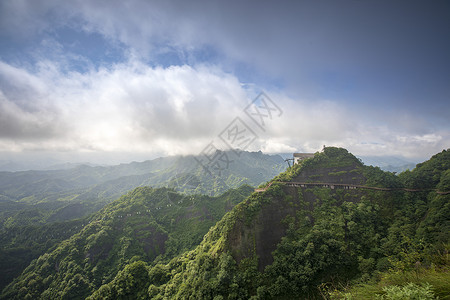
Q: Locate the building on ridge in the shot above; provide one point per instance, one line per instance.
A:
(302, 156)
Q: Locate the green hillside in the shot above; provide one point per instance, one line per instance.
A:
(305, 242)
(152, 225)
(21, 244)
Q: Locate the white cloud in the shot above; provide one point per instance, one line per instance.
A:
(134, 108)
(130, 107)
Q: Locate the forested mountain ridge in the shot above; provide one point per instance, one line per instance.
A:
(59, 195)
(35, 203)
(146, 224)
(296, 242)
(21, 244)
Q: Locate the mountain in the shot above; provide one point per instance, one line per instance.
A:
(31, 202)
(324, 224)
(389, 163)
(60, 195)
(319, 226)
(384, 162)
(147, 224)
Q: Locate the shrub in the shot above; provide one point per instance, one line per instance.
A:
(410, 291)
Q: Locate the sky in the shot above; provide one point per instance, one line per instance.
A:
(117, 81)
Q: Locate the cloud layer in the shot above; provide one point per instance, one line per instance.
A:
(166, 77)
(132, 107)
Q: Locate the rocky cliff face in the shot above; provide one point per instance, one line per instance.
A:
(260, 236)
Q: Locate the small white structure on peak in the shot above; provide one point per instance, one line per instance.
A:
(302, 156)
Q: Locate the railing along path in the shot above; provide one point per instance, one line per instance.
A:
(345, 186)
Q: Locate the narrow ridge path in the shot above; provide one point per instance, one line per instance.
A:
(345, 186)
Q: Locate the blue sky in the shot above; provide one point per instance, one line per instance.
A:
(140, 79)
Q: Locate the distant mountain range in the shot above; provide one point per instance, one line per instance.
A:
(385, 162)
(389, 163)
(38, 165)
(57, 195)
